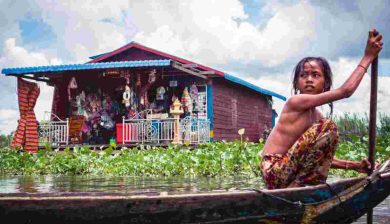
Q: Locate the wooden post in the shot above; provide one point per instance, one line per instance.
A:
(176, 110)
(372, 124)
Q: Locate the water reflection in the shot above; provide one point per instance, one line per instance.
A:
(177, 185)
(135, 185)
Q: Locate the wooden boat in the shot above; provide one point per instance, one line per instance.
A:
(340, 202)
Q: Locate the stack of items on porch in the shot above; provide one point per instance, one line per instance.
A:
(100, 106)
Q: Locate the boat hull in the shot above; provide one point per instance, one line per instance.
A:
(245, 206)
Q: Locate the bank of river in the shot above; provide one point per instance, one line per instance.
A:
(55, 184)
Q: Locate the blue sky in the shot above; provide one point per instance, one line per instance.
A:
(35, 33)
(259, 41)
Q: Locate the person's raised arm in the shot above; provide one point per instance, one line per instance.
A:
(305, 101)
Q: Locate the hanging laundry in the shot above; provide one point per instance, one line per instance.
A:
(138, 83)
(115, 108)
(194, 96)
(72, 85)
(186, 100)
(106, 121)
(127, 77)
(160, 93)
(93, 103)
(107, 102)
(80, 102)
(152, 76)
(144, 100)
(127, 96)
(26, 135)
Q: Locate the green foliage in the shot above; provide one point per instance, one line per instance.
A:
(5, 140)
(354, 140)
(355, 124)
(222, 159)
(210, 159)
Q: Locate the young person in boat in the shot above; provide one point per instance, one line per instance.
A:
(300, 149)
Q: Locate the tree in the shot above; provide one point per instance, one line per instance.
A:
(5, 140)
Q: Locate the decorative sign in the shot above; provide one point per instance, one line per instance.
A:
(75, 127)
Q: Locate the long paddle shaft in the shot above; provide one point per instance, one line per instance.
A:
(372, 124)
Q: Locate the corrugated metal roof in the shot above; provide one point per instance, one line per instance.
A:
(251, 86)
(123, 64)
(87, 66)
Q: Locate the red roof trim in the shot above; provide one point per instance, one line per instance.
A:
(133, 44)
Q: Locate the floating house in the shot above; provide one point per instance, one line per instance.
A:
(138, 95)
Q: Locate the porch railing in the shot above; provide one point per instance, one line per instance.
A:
(161, 131)
(194, 130)
(135, 130)
(53, 132)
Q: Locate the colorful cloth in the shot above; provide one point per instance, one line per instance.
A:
(194, 96)
(26, 135)
(307, 162)
(160, 93)
(186, 100)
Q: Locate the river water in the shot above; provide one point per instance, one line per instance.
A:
(55, 184)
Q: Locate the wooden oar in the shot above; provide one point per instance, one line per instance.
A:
(372, 124)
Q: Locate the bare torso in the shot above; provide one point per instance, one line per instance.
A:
(290, 127)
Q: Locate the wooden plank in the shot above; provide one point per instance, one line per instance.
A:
(189, 65)
(207, 72)
(75, 127)
(179, 67)
(32, 78)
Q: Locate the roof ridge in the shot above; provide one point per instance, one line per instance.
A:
(153, 51)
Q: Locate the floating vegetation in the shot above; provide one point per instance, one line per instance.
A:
(210, 159)
(215, 159)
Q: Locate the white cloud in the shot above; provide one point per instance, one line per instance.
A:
(6, 114)
(214, 33)
(358, 103)
(88, 27)
(17, 56)
(210, 31)
(8, 120)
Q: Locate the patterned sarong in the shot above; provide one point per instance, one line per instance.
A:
(26, 135)
(307, 162)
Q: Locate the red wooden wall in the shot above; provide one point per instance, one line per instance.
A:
(235, 107)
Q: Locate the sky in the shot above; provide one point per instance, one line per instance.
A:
(258, 41)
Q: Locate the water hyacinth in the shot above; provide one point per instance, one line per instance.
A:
(210, 159)
(206, 160)
(213, 159)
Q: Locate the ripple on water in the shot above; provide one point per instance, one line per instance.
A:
(125, 184)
